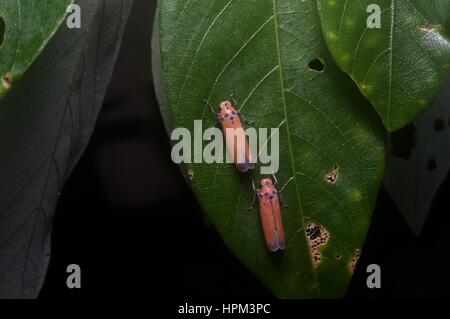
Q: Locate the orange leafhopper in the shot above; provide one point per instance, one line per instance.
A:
(236, 142)
(270, 212)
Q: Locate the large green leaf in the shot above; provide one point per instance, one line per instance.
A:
(260, 50)
(28, 25)
(46, 121)
(400, 66)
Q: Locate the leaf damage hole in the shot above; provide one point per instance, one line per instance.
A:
(316, 65)
(333, 175)
(439, 125)
(2, 30)
(317, 236)
(430, 27)
(7, 80)
(354, 260)
(403, 142)
(432, 164)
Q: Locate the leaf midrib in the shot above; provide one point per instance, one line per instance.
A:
(391, 57)
(283, 96)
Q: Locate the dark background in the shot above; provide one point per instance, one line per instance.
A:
(129, 220)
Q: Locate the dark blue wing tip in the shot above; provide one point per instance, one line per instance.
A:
(272, 248)
(244, 167)
(276, 246)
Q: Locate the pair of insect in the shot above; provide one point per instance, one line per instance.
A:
(268, 196)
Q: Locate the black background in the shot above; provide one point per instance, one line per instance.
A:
(129, 220)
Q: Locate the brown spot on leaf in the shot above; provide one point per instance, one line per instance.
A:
(333, 175)
(354, 260)
(7, 80)
(317, 237)
(191, 175)
(430, 27)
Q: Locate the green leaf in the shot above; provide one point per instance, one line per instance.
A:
(157, 71)
(418, 161)
(46, 121)
(260, 50)
(400, 66)
(27, 27)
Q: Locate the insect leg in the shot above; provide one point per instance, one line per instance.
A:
(245, 119)
(210, 107)
(275, 180)
(282, 189)
(235, 104)
(281, 201)
(254, 196)
(285, 185)
(218, 122)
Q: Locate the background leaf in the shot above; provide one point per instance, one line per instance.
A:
(418, 161)
(27, 27)
(158, 78)
(45, 124)
(260, 50)
(400, 67)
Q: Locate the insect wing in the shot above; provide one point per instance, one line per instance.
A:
(271, 222)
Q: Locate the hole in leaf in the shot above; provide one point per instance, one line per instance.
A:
(432, 164)
(2, 30)
(316, 65)
(402, 141)
(439, 125)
